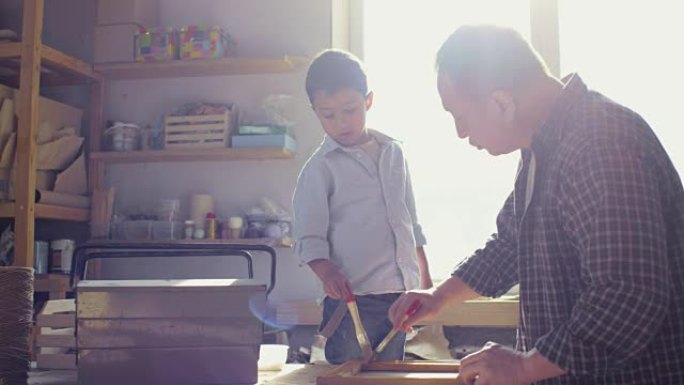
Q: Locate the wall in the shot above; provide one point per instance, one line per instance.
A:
(262, 28)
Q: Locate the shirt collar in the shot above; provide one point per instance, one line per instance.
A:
(550, 132)
(330, 144)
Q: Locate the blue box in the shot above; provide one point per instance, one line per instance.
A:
(275, 140)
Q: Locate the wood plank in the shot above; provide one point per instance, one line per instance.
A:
(481, 313)
(67, 64)
(412, 366)
(208, 67)
(57, 306)
(218, 154)
(392, 373)
(25, 185)
(56, 320)
(478, 313)
(57, 340)
(56, 361)
(45, 211)
(10, 50)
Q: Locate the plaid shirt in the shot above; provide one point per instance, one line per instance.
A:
(599, 251)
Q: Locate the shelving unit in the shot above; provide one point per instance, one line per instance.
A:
(28, 64)
(99, 159)
(219, 154)
(193, 68)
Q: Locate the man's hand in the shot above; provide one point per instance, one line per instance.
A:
(493, 365)
(500, 365)
(335, 284)
(429, 306)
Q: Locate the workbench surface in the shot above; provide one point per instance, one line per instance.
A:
(292, 374)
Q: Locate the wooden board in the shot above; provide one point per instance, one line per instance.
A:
(392, 373)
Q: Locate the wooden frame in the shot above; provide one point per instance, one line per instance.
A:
(392, 373)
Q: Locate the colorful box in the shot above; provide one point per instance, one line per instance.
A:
(202, 42)
(156, 44)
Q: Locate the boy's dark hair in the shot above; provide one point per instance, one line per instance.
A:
(480, 59)
(333, 70)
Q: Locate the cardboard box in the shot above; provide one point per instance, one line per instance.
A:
(143, 12)
(115, 43)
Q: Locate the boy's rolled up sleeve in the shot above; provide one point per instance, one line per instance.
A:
(411, 204)
(311, 214)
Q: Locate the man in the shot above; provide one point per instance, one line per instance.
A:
(593, 231)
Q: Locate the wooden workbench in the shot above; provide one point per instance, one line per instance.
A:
(292, 374)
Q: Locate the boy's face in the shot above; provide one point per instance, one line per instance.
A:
(488, 122)
(343, 115)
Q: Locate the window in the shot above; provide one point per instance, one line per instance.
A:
(458, 189)
(630, 52)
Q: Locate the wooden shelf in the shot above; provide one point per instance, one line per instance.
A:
(44, 211)
(57, 68)
(218, 154)
(243, 241)
(201, 67)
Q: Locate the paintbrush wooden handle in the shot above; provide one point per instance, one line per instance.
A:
(409, 312)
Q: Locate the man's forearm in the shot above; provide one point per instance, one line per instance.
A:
(453, 291)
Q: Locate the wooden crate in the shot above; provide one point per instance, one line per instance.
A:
(55, 335)
(198, 131)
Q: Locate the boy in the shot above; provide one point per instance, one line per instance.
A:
(355, 219)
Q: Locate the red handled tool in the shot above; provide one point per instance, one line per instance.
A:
(361, 335)
(409, 312)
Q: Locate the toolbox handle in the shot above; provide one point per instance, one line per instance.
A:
(163, 249)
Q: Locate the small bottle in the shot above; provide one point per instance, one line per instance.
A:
(189, 228)
(235, 226)
(211, 225)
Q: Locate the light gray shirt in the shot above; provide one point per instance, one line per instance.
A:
(359, 214)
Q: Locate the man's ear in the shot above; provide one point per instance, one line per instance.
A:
(504, 105)
(369, 100)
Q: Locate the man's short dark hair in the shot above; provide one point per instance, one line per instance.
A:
(333, 70)
(480, 59)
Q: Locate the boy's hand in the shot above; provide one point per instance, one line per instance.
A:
(335, 284)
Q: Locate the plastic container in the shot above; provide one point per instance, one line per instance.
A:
(165, 230)
(136, 230)
(61, 256)
(156, 44)
(202, 42)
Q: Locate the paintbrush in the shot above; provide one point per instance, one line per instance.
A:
(361, 335)
(383, 344)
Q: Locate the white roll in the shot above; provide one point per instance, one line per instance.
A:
(200, 205)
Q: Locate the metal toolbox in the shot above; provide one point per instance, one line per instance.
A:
(192, 331)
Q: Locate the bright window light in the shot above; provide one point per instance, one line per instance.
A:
(458, 189)
(631, 52)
